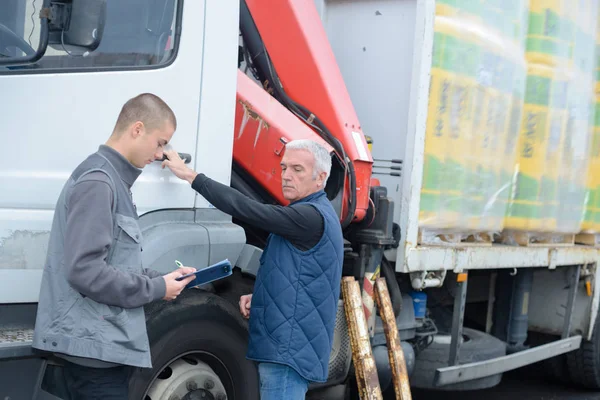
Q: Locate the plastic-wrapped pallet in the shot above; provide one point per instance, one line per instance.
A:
(591, 222)
(501, 80)
(550, 46)
(451, 90)
(576, 155)
(476, 92)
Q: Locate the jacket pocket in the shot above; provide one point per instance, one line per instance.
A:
(130, 232)
(106, 314)
(127, 253)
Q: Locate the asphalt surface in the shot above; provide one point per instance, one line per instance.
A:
(517, 385)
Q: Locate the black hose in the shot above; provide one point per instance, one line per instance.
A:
(253, 44)
(392, 283)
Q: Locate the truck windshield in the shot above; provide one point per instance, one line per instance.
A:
(39, 35)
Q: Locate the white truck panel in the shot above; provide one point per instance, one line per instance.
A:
(52, 121)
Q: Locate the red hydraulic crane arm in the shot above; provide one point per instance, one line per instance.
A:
(262, 128)
(299, 50)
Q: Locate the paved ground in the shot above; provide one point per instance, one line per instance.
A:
(518, 385)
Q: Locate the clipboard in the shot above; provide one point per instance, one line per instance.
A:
(212, 273)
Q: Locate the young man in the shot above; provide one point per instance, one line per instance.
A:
(293, 308)
(90, 310)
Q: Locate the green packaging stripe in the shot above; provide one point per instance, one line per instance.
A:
(430, 202)
(597, 115)
(438, 49)
(548, 190)
(520, 210)
(455, 176)
(460, 57)
(454, 203)
(536, 23)
(549, 46)
(527, 188)
(537, 90)
(433, 170)
(547, 23)
(455, 55)
(589, 215)
(591, 200)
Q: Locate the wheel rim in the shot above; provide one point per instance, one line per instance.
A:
(192, 376)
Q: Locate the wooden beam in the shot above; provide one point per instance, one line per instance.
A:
(362, 354)
(395, 353)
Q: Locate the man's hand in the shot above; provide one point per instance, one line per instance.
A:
(185, 270)
(245, 305)
(178, 167)
(174, 287)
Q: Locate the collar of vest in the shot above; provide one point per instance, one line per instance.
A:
(310, 197)
(127, 171)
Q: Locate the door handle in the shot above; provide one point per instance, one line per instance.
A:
(187, 158)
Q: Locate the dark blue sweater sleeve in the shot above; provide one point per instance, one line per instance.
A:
(301, 224)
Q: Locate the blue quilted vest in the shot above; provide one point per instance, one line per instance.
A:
(295, 299)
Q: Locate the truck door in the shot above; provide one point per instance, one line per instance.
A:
(57, 110)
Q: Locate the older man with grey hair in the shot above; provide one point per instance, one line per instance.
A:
(293, 308)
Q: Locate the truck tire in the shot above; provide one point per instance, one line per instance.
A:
(477, 346)
(198, 344)
(584, 363)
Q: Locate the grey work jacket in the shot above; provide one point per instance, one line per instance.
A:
(73, 324)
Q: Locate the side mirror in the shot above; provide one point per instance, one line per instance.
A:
(77, 23)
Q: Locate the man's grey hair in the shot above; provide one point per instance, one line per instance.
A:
(319, 152)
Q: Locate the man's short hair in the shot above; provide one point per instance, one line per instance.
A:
(319, 152)
(148, 108)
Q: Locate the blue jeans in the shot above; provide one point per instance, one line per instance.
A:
(279, 382)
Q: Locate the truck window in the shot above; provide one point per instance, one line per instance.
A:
(87, 35)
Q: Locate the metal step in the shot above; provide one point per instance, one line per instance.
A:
(481, 369)
(15, 342)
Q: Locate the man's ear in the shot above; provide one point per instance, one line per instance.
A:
(137, 129)
(321, 178)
